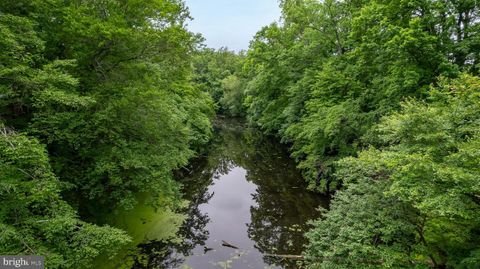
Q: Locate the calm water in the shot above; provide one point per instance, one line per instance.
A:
(245, 192)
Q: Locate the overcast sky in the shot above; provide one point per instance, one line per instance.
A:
(231, 23)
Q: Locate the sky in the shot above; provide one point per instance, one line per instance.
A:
(231, 23)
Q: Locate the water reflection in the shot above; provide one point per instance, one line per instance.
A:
(254, 198)
(246, 192)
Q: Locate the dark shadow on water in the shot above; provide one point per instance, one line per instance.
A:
(247, 192)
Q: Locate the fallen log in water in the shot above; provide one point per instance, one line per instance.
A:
(294, 257)
(225, 244)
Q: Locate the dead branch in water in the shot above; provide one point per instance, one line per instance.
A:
(295, 257)
(225, 244)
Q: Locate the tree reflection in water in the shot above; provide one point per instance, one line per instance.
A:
(281, 205)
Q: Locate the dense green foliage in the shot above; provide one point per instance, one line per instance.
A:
(34, 219)
(378, 99)
(97, 102)
(219, 72)
(348, 84)
(415, 201)
(324, 76)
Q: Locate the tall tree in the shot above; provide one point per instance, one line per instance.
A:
(34, 219)
(128, 114)
(330, 70)
(97, 103)
(415, 201)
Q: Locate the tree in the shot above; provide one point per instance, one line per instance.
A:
(219, 73)
(97, 115)
(324, 76)
(34, 219)
(118, 115)
(232, 100)
(414, 202)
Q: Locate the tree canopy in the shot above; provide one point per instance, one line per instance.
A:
(415, 200)
(323, 76)
(97, 102)
(378, 101)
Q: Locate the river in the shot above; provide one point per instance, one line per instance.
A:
(245, 192)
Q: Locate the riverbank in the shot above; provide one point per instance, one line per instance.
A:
(246, 191)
